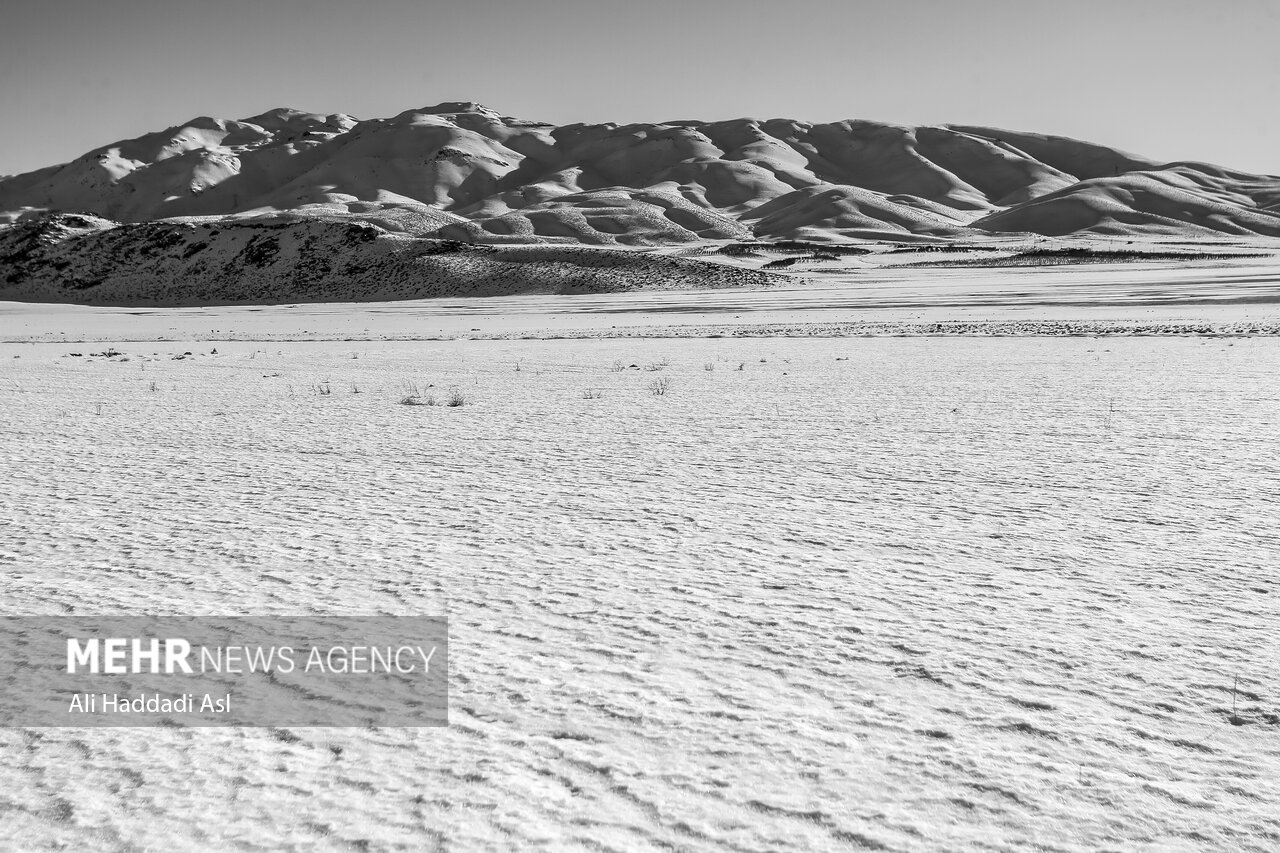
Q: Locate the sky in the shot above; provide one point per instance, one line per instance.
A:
(1169, 79)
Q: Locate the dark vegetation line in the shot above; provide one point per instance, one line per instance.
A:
(1049, 257)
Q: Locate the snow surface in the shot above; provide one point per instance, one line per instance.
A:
(882, 593)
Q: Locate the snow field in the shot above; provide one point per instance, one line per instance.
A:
(896, 593)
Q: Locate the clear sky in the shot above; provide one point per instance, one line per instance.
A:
(1171, 79)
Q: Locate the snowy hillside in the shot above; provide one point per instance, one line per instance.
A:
(462, 171)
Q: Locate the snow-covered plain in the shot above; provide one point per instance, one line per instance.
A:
(881, 593)
(1243, 296)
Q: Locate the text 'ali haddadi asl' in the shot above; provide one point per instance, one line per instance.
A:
(114, 703)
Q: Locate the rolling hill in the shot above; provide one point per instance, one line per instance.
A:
(75, 258)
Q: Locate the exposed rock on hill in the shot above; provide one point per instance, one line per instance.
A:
(89, 260)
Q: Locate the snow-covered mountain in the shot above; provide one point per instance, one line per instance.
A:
(463, 172)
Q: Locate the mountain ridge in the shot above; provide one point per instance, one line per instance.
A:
(461, 171)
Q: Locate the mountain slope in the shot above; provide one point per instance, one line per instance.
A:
(1181, 199)
(461, 171)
